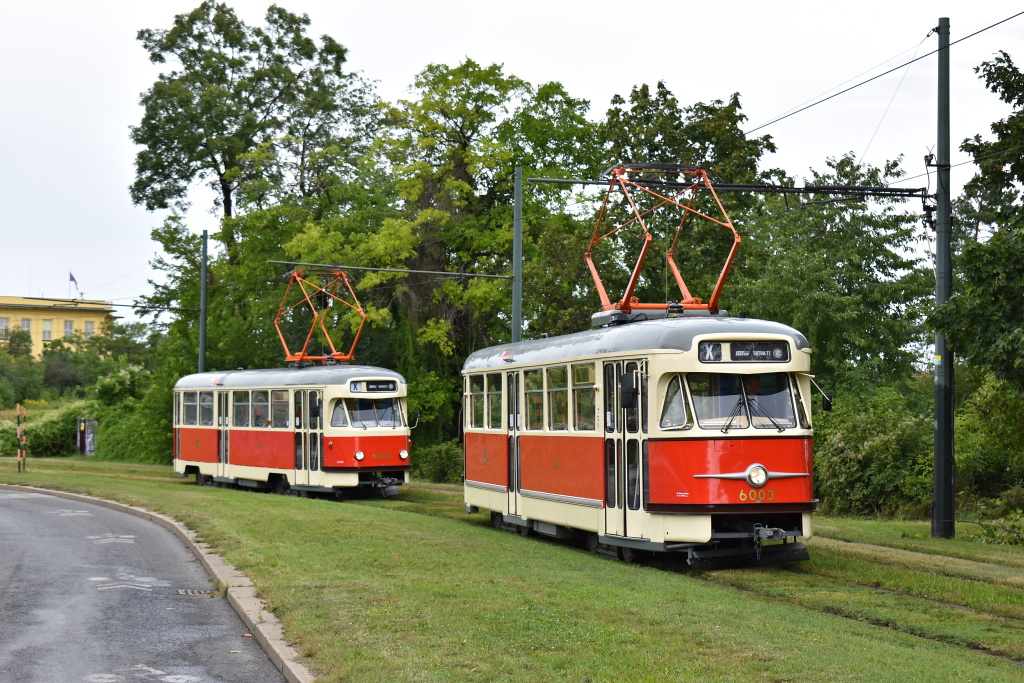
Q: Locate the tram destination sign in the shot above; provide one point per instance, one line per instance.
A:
(759, 352)
(381, 386)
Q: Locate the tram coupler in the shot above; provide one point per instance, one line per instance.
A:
(763, 533)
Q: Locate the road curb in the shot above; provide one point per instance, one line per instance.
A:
(241, 594)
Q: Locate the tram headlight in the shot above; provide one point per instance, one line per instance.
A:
(757, 476)
(360, 455)
(403, 454)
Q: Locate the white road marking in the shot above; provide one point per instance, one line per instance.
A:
(111, 538)
(124, 580)
(141, 672)
(70, 513)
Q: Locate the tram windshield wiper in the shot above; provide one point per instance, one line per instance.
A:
(757, 409)
(734, 414)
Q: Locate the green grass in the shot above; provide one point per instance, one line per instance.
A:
(413, 589)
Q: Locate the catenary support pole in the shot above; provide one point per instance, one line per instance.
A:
(943, 506)
(517, 258)
(202, 306)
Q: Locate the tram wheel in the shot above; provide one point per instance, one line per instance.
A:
(593, 542)
(630, 555)
(203, 479)
(280, 486)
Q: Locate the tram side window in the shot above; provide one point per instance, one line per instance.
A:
(241, 401)
(494, 395)
(191, 402)
(260, 408)
(674, 414)
(583, 397)
(558, 398)
(177, 409)
(279, 407)
(533, 382)
(476, 401)
(339, 416)
(206, 408)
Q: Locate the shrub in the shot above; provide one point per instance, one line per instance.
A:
(442, 463)
(55, 433)
(8, 437)
(989, 444)
(874, 456)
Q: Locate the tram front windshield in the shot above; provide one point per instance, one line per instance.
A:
(731, 401)
(367, 413)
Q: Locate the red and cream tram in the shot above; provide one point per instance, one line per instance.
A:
(667, 427)
(312, 429)
(689, 434)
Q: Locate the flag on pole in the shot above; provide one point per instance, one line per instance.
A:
(72, 278)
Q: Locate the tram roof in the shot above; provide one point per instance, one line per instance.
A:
(286, 377)
(649, 335)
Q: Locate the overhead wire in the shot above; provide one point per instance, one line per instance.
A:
(874, 78)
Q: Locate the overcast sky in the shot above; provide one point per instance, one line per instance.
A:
(71, 73)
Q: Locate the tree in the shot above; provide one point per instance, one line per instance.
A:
(234, 87)
(982, 319)
(651, 127)
(845, 273)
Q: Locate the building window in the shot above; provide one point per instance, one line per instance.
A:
(47, 330)
(90, 329)
(69, 328)
(4, 330)
(26, 324)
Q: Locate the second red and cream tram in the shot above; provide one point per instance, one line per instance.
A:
(690, 434)
(325, 429)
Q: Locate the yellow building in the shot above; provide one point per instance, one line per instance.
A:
(50, 319)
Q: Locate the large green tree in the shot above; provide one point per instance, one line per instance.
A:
(847, 273)
(984, 318)
(233, 86)
(652, 127)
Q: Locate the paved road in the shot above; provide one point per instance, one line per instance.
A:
(93, 595)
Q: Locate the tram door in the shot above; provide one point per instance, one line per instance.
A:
(308, 427)
(514, 425)
(223, 432)
(625, 423)
(301, 438)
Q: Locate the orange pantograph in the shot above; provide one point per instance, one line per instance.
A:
(650, 179)
(318, 300)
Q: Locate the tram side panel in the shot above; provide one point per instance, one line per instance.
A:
(487, 470)
(262, 448)
(562, 479)
(197, 444)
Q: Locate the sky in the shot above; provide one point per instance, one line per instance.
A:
(71, 74)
